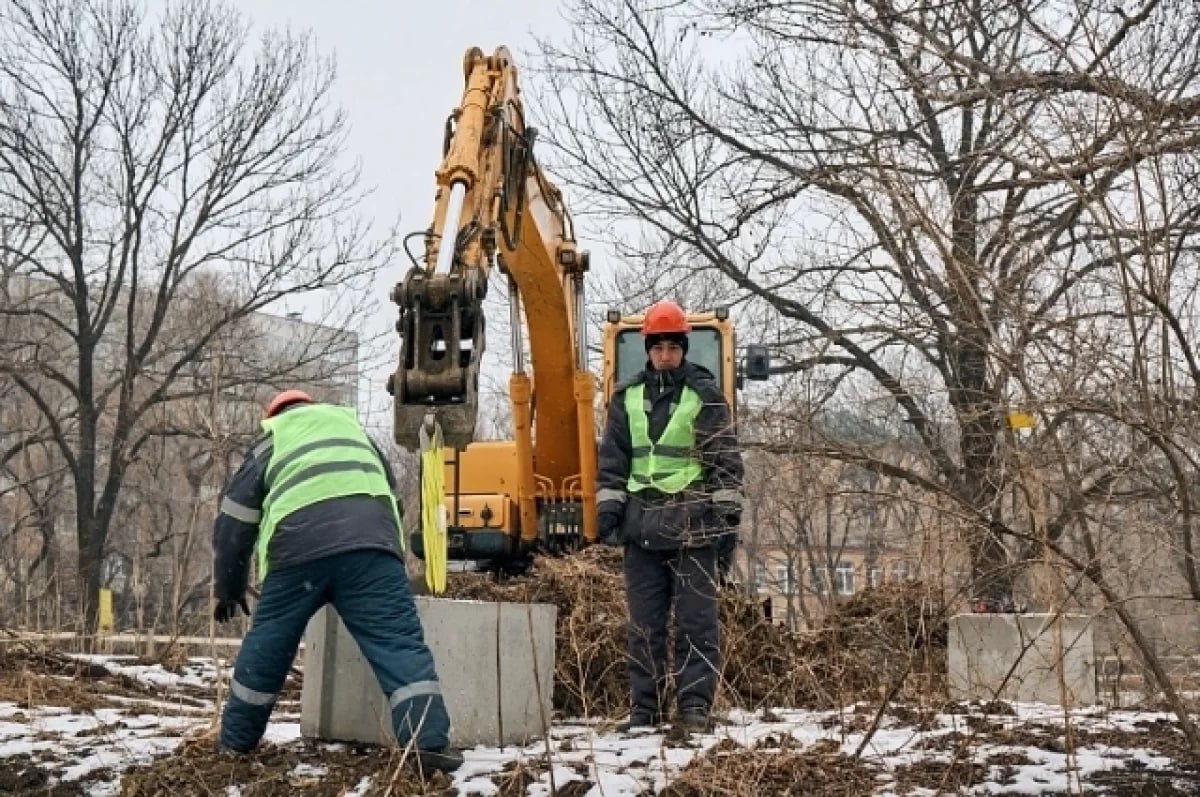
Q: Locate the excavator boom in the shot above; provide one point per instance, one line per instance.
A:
(495, 208)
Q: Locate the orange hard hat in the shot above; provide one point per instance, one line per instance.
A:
(665, 318)
(286, 399)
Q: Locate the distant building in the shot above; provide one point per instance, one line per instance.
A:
(817, 532)
(157, 558)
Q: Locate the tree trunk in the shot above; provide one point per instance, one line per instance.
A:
(973, 398)
(88, 534)
(91, 552)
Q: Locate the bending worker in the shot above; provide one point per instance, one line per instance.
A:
(669, 491)
(314, 501)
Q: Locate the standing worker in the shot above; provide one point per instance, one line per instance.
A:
(315, 499)
(669, 491)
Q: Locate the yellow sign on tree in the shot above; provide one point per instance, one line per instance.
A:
(105, 626)
(1022, 420)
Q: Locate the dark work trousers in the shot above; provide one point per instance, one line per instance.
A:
(656, 582)
(369, 589)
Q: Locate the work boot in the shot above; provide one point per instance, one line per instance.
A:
(696, 720)
(228, 753)
(638, 719)
(445, 760)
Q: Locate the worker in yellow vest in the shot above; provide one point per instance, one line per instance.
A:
(314, 503)
(669, 492)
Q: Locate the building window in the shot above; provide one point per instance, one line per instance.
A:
(783, 578)
(845, 579)
(760, 574)
(899, 571)
(874, 576)
(816, 578)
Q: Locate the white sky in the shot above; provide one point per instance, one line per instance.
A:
(399, 75)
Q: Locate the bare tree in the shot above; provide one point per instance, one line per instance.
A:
(936, 199)
(143, 161)
(33, 488)
(33, 501)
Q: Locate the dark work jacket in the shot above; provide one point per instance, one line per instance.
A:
(330, 527)
(654, 520)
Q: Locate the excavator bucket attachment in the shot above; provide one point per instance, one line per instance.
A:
(441, 324)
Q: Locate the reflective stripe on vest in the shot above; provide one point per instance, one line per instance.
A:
(668, 464)
(319, 452)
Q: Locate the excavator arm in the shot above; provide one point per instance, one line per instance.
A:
(495, 208)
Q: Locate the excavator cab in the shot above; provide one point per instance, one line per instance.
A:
(711, 343)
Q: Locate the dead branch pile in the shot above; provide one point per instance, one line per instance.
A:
(890, 639)
(762, 664)
(734, 771)
(883, 640)
(877, 639)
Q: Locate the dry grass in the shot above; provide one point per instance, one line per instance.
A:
(197, 769)
(732, 771)
(33, 674)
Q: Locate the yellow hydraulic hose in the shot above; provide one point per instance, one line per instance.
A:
(433, 509)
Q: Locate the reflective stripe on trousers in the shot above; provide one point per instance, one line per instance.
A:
(254, 698)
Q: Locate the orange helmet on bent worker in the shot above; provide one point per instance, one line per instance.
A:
(286, 399)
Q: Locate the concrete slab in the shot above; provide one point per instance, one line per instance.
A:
(494, 661)
(1042, 658)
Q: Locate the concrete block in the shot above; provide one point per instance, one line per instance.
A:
(1022, 657)
(493, 660)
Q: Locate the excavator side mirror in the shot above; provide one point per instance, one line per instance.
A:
(757, 364)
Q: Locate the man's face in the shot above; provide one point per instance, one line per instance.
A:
(665, 355)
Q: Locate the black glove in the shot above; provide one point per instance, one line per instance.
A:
(728, 514)
(610, 514)
(726, 546)
(227, 610)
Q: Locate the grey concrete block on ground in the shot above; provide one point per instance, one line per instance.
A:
(1042, 658)
(493, 660)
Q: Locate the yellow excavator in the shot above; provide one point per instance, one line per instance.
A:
(496, 208)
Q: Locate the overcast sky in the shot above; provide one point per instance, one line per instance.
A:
(399, 75)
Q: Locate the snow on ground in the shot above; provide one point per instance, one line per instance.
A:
(1020, 752)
